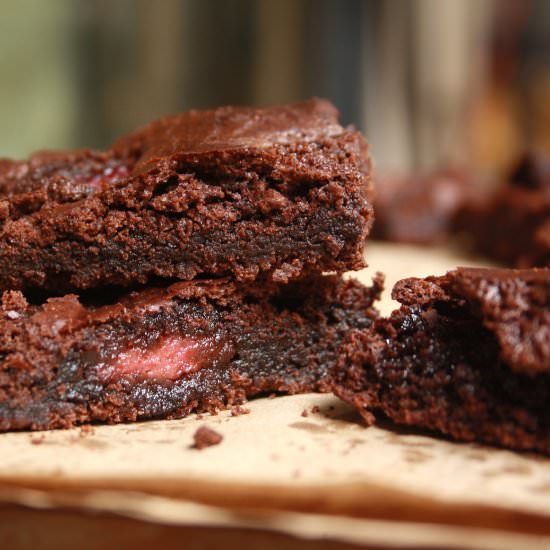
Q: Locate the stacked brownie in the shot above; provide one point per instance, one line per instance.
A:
(185, 269)
(182, 269)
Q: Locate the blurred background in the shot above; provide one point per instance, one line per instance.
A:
(430, 82)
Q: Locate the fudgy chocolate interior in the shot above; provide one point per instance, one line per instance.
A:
(449, 377)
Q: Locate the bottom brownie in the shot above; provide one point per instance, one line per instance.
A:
(162, 353)
(467, 355)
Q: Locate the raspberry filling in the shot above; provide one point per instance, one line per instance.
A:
(170, 358)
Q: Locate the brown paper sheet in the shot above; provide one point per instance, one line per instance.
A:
(275, 465)
(192, 519)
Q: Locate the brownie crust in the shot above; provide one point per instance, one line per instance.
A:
(269, 193)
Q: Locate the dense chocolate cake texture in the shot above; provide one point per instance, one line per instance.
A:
(165, 352)
(466, 355)
(235, 191)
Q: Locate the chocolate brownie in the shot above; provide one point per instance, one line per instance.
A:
(513, 225)
(532, 172)
(236, 191)
(466, 355)
(421, 209)
(164, 352)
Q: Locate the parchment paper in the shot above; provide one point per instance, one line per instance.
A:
(278, 464)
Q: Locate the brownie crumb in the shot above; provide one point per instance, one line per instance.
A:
(315, 409)
(238, 410)
(86, 430)
(272, 396)
(38, 440)
(206, 437)
(305, 413)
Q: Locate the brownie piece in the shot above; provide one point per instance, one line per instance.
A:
(421, 209)
(165, 352)
(513, 225)
(532, 172)
(206, 437)
(236, 191)
(466, 355)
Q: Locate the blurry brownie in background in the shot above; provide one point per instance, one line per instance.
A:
(166, 352)
(466, 355)
(513, 225)
(421, 209)
(532, 172)
(235, 191)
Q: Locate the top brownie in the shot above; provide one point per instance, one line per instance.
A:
(275, 192)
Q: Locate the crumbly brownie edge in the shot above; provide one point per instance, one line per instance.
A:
(184, 220)
(434, 365)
